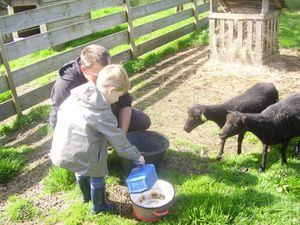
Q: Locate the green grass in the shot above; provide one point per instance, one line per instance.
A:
(58, 179)
(20, 209)
(35, 114)
(223, 194)
(12, 161)
(293, 5)
(289, 32)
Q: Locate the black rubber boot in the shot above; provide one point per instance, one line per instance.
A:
(99, 203)
(85, 188)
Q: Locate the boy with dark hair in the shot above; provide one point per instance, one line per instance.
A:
(85, 125)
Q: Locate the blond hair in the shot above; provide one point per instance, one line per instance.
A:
(92, 54)
(114, 75)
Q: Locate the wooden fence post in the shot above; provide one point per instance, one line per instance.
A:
(133, 48)
(195, 12)
(9, 78)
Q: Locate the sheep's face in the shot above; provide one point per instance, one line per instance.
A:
(194, 119)
(234, 125)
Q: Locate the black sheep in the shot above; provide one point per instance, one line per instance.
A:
(253, 100)
(278, 123)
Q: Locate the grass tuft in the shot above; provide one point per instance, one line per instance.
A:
(12, 161)
(35, 114)
(20, 210)
(58, 179)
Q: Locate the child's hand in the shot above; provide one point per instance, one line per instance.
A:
(141, 160)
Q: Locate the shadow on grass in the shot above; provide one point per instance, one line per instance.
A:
(273, 157)
(180, 72)
(31, 176)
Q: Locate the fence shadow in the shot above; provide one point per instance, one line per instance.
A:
(180, 70)
(31, 176)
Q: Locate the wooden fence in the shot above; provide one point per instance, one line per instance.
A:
(36, 17)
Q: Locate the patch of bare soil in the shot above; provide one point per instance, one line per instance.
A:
(171, 86)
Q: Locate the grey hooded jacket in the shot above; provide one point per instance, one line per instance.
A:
(85, 124)
(71, 76)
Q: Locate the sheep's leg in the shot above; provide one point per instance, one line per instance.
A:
(283, 156)
(264, 158)
(297, 149)
(219, 156)
(240, 140)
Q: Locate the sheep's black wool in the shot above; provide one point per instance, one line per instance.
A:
(278, 123)
(253, 100)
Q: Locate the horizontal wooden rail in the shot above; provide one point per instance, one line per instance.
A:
(53, 63)
(163, 22)
(164, 39)
(167, 21)
(155, 7)
(58, 36)
(36, 17)
(236, 16)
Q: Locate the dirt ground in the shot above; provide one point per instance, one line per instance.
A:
(171, 86)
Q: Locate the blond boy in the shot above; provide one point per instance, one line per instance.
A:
(85, 125)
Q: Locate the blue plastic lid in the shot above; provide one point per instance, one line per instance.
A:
(141, 178)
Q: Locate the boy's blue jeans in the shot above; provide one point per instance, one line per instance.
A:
(92, 188)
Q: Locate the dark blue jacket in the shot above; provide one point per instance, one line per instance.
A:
(70, 76)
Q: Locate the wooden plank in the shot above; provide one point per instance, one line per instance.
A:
(212, 36)
(274, 34)
(62, 35)
(131, 35)
(265, 6)
(33, 71)
(258, 37)
(230, 33)
(3, 84)
(268, 36)
(249, 34)
(236, 16)
(161, 23)
(164, 39)
(203, 22)
(213, 6)
(222, 33)
(121, 57)
(240, 33)
(155, 7)
(203, 8)
(9, 78)
(195, 14)
(7, 109)
(271, 35)
(277, 34)
(52, 13)
(36, 96)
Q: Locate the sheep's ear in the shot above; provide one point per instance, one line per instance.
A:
(230, 112)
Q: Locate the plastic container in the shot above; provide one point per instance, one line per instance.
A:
(153, 146)
(141, 178)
